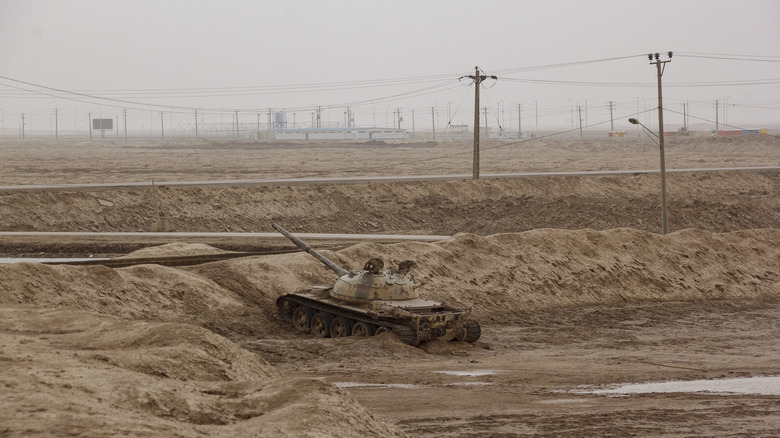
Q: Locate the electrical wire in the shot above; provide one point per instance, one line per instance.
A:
(729, 57)
(449, 84)
(748, 82)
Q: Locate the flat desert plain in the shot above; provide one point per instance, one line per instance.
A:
(576, 289)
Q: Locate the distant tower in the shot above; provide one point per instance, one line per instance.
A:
(280, 121)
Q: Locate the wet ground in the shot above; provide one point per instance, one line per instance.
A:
(542, 377)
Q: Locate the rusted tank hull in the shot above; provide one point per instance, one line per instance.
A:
(413, 322)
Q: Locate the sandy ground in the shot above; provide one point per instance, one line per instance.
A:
(572, 287)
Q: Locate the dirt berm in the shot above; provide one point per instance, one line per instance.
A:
(151, 350)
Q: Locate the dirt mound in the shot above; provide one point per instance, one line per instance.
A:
(80, 374)
(144, 292)
(175, 249)
(544, 269)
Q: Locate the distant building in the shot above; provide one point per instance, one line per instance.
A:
(353, 133)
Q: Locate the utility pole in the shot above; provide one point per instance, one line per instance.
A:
(519, 121)
(658, 65)
(125, 123)
(56, 124)
(611, 120)
(536, 104)
(22, 126)
(162, 125)
(412, 122)
(89, 125)
(717, 128)
(586, 113)
(478, 78)
(571, 111)
(687, 113)
(579, 117)
(196, 123)
(433, 123)
(487, 128)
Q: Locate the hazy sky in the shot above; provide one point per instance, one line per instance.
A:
(379, 56)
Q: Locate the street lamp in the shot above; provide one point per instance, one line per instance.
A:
(660, 143)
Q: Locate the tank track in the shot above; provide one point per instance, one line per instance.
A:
(473, 331)
(286, 305)
(406, 334)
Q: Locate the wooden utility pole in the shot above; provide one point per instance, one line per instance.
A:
(162, 125)
(89, 125)
(475, 165)
(196, 122)
(433, 122)
(579, 116)
(519, 120)
(477, 78)
(56, 124)
(611, 120)
(22, 126)
(125, 123)
(659, 64)
(487, 129)
(717, 126)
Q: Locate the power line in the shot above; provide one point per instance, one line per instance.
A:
(730, 57)
(748, 82)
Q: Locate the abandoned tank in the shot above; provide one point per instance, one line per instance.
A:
(371, 301)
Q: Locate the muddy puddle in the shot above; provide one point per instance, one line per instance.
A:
(743, 385)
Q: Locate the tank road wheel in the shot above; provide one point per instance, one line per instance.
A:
(340, 327)
(320, 324)
(382, 329)
(362, 329)
(470, 333)
(286, 309)
(301, 319)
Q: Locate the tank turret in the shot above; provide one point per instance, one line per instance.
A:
(373, 282)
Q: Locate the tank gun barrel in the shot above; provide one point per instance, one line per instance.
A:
(305, 246)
